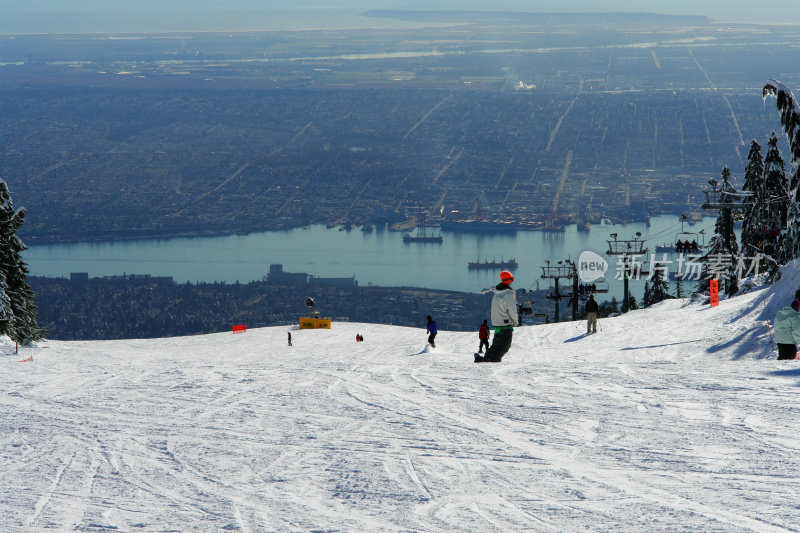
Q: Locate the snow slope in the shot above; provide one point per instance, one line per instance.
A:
(675, 418)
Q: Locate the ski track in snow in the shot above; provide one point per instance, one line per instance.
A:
(673, 418)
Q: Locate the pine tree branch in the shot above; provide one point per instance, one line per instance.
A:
(789, 111)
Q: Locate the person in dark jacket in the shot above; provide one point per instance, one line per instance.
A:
(504, 318)
(432, 331)
(483, 336)
(591, 315)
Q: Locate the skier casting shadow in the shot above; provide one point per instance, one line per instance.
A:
(504, 316)
(591, 315)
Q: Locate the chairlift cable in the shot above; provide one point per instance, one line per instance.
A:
(650, 237)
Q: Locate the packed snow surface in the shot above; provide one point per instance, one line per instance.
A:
(674, 418)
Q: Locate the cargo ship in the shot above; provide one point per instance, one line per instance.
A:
(407, 237)
(422, 235)
(511, 264)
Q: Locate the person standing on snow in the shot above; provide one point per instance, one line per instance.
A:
(591, 315)
(483, 335)
(289, 333)
(504, 318)
(432, 331)
(787, 329)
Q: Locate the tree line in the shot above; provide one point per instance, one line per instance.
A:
(768, 204)
(768, 207)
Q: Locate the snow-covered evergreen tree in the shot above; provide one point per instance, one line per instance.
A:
(6, 212)
(614, 305)
(754, 185)
(776, 204)
(23, 326)
(775, 187)
(657, 289)
(723, 249)
(679, 288)
(6, 315)
(646, 295)
(789, 240)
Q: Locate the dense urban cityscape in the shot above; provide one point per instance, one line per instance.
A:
(482, 124)
(209, 134)
(145, 307)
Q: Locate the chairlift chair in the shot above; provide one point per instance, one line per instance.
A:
(525, 303)
(633, 246)
(588, 289)
(525, 310)
(682, 236)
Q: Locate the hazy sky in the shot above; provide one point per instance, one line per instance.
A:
(64, 16)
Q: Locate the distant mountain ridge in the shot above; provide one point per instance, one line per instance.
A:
(530, 17)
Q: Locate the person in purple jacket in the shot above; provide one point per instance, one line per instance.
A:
(432, 331)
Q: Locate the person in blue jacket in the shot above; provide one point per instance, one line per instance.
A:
(432, 331)
(787, 329)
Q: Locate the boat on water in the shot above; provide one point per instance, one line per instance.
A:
(422, 234)
(511, 264)
(554, 225)
(407, 237)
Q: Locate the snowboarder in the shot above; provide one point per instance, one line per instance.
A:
(432, 331)
(591, 315)
(289, 333)
(483, 335)
(504, 317)
(787, 329)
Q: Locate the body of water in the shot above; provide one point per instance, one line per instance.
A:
(379, 257)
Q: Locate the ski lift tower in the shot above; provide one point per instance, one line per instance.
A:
(722, 197)
(563, 270)
(628, 249)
